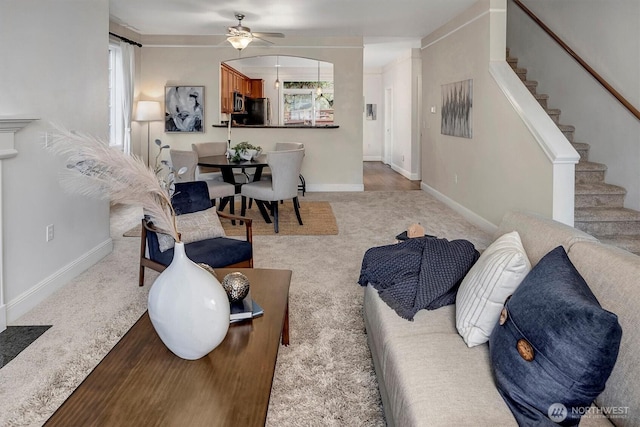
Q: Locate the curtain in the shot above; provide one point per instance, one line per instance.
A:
(127, 71)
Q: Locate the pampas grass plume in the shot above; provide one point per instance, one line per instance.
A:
(97, 170)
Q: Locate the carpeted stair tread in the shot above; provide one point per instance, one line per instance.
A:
(606, 215)
(598, 188)
(584, 166)
(629, 243)
(532, 85)
(567, 128)
(581, 146)
(554, 113)
(582, 149)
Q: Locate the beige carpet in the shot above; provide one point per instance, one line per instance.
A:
(324, 378)
(317, 218)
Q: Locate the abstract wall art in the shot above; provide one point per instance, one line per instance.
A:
(457, 109)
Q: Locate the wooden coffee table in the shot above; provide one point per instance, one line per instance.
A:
(140, 382)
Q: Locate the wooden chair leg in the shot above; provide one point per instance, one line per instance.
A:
(141, 276)
(296, 207)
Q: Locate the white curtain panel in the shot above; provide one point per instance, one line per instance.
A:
(127, 70)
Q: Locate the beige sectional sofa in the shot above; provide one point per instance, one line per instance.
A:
(429, 377)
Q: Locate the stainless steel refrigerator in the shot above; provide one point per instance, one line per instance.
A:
(258, 111)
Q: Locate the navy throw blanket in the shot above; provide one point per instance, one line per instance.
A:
(418, 273)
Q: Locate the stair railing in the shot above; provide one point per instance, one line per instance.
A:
(633, 110)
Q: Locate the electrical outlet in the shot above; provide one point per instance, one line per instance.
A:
(49, 232)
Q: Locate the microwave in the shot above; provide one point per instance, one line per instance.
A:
(238, 102)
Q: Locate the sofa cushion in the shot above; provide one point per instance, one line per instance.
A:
(554, 344)
(496, 274)
(540, 235)
(614, 277)
(193, 227)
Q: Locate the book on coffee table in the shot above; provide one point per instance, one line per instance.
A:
(245, 309)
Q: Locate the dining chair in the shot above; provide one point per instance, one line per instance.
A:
(284, 146)
(204, 149)
(217, 252)
(285, 170)
(188, 159)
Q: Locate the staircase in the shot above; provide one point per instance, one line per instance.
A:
(599, 208)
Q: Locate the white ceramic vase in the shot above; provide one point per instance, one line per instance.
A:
(188, 307)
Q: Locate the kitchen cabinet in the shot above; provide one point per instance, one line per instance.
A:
(232, 80)
(257, 88)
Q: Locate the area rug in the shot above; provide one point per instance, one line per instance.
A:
(317, 218)
(325, 377)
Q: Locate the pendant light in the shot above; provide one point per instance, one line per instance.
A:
(277, 83)
(318, 88)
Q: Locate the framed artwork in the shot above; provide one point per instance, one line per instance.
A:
(184, 108)
(371, 111)
(457, 109)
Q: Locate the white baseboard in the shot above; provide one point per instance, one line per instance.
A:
(41, 291)
(334, 187)
(3, 317)
(405, 173)
(469, 215)
(372, 159)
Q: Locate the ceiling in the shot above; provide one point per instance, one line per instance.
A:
(387, 27)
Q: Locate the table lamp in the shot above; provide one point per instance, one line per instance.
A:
(148, 111)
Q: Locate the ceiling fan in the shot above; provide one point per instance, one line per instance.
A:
(240, 36)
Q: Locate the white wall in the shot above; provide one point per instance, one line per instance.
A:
(501, 167)
(607, 36)
(372, 144)
(333, 157)
(54, 67)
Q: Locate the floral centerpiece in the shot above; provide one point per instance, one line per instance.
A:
(244, 151)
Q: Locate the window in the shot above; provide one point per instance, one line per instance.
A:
(304, 106)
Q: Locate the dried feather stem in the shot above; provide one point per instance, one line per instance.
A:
(97, 170)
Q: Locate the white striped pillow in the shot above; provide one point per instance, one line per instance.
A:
(482, 293)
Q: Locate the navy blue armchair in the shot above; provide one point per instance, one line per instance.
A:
(217, 252)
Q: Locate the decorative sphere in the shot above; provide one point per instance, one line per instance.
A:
(237, 286)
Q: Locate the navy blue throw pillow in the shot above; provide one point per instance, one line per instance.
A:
(554, 346)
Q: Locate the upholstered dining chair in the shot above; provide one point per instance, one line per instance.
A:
(217, 252)
(283, 185)
(223, 191)
(204, 149)
(284, 146)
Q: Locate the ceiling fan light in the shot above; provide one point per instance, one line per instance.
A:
(239, 42)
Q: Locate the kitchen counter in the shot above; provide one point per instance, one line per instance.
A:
(279, 126)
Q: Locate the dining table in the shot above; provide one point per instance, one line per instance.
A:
(227, 166)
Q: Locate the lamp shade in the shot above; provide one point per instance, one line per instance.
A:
(148, 111)
(239, 42)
